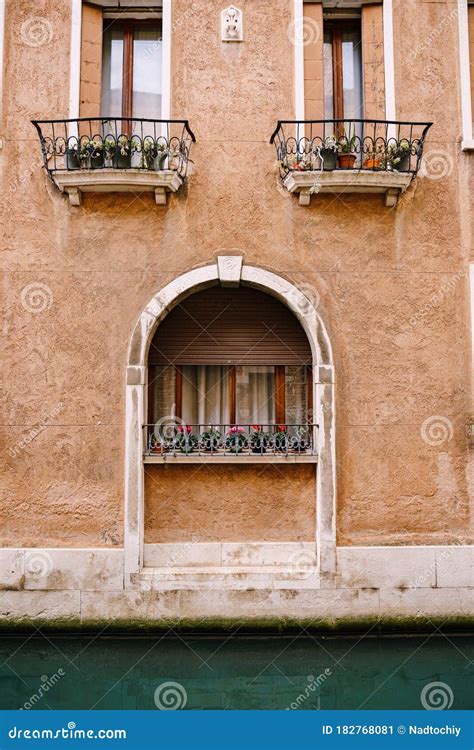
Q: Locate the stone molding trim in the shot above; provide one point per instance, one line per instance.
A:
(76, 182)
(323, 399)
(309, 184)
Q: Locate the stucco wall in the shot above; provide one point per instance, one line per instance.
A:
(402, 360)
(230, 503)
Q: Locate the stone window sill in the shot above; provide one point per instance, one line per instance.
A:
(310, 183)
(76, 182)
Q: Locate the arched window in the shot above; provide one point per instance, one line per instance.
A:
(230, 357)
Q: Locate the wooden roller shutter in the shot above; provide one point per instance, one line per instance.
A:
(230, 326)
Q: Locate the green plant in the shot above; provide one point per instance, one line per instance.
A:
(346, 145)
(259, 439)
(395, 152)
(280, 439)
(90, 148)
(210, 439)
(236, 439)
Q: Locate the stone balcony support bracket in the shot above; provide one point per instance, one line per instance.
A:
(76, 182)
(340, 181)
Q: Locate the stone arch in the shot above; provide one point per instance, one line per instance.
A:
(230, 271)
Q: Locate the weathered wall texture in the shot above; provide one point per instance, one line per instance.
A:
(398, 323)
(230, 503)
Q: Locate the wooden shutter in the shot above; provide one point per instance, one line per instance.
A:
(373, 65)
(313, 61)
(91, 61)
(230, 326)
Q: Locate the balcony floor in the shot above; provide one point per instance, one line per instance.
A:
(216, 458)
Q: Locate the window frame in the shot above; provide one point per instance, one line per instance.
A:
(337, 28)
(280, 393)
(129, 26)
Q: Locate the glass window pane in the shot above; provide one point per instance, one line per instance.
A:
(255, 394)
(112, 68)
(147, 61)
(205, 395)
(328, 75)
(352, 73)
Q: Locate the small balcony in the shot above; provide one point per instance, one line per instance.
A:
(356, 156)
(229, 443)
(108, 155)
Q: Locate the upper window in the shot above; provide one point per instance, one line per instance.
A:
(131, 69)
(343, 98)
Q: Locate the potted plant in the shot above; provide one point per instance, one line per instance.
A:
(161, 152)
(327, 152)
(210, 439)
(374, 158)
(299, 442)
(91, 153)
(72, 160)
(280, 439)
(397, 156)
(123, 153)
(185, 440)
(236, 439)
(302, 163)
(346, 157)
(258, 439)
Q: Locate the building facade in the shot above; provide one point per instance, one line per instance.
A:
(238, 276)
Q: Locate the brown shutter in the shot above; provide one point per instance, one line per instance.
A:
(91, 61)
(313, 61)
(230, 326)
(470, 23)
(373, 65)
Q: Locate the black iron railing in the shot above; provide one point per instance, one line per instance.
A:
(326, 145)
(115, 143)
(170, 438)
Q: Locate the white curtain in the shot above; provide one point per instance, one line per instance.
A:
(205, 394)
(255, 394)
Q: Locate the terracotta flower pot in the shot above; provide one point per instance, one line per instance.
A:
(372, 163)
(346, 161)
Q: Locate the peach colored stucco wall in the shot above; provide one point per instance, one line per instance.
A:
(399, 358)
(230, 503)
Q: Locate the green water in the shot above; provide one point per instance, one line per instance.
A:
(251, 672)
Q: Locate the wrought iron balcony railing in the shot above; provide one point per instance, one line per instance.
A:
(328, 145)
(172, 439)
(115, 143)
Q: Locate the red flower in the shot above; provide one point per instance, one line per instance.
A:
(281, 428)
(236, 429)
(185, 428)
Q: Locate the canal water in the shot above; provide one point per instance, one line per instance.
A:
(303, 672)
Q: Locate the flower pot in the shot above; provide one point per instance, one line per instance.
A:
(122, 161)
(96, 162)
(72, 159)
(404, 164)
(372, 163)
(159, 162)
(328, 156)
(346, 161)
